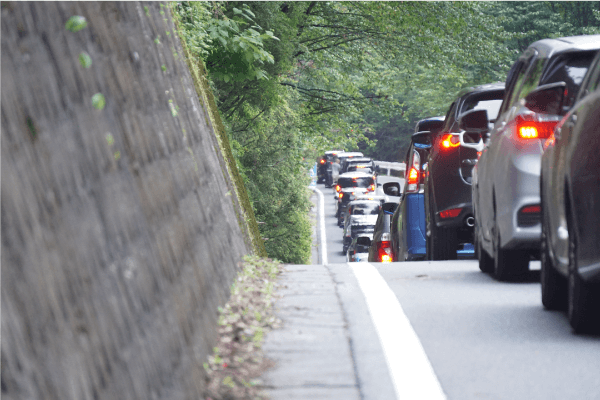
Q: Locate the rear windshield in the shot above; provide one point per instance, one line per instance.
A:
(365, 209)
(361, 182)
(490, 103)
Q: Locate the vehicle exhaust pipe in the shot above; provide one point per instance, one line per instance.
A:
(470, 221)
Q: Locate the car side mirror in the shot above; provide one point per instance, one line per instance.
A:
(547, 99)
(363, 241)
(391, 188)
(474, 121)
(422, 139)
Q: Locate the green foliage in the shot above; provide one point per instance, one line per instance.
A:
(85, 60)
(98, 101)
(76, 23)
(231, 46)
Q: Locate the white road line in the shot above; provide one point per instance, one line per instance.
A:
(323, 243)
(410, 369)
(411, 372)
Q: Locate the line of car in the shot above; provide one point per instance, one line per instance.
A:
(511, 173)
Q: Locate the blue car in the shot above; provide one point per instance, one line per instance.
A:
(408, 232)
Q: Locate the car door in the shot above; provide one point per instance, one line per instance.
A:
(564, 141)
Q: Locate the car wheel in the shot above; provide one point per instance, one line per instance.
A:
(486, 263)
(583, 300)
(554, 285)
(507, 263)
(443, 243)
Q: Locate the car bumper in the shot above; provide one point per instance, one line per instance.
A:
(522, 188)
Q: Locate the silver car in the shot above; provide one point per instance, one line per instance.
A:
(506, 197)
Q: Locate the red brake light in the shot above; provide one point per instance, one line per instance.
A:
(528, 128)
(449, 141)
(322, 161)
(341, 194)
(533, 209)
(452, 213)
(384, 251)
(371, 188)
(338, 188)
(413, 176)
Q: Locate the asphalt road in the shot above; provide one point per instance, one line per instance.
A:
(484, 339)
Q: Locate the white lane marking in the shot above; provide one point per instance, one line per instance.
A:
(323, 241)
(411, 372)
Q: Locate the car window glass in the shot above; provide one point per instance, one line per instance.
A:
(492, 106)
(570, 69)
(365, 209)
(519, 77)
(532, 77)
(510, 83)
(593, 79)
(398, 173)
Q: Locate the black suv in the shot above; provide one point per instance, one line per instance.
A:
(448, 210)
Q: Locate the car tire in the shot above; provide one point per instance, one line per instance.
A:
(583, 298)
(486, 263)
(554, 285)
(508, 263)
(443, 243)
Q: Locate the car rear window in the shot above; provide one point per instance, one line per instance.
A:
(361, 182)
(365, 209)
(490, 102)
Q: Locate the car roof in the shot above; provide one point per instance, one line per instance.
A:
(386, 179)
(549, 47)
(334, 151)
(350, 154)
(488, 87)
(360, 159)
(365, 201)
(423, 124)
(390, 164)
(355, 174)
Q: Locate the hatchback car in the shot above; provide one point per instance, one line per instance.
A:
(358, 251)
(506, 197)
(359, 219)
(359, 163)
(408, 222)
(570, 199)
(448, 210)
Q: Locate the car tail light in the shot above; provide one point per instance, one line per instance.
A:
(530, 128)
(533, 209)
(413, 174)
(451, 213)
(529, 215)
(449, 141)
(384, 251)
(338, 188)
(371, 188)
(322, 161)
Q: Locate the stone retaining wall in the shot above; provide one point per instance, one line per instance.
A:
(119, 236)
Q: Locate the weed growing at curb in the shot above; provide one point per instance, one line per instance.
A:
(237, 361)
